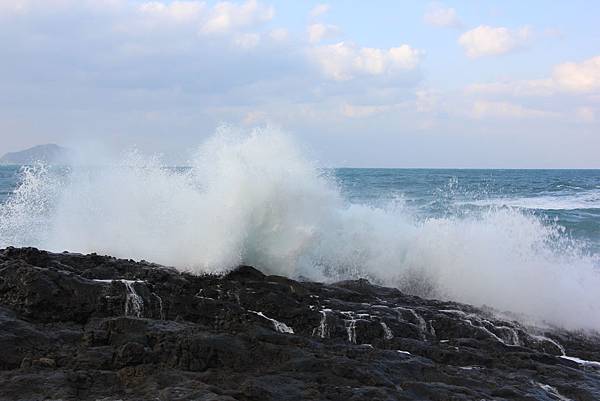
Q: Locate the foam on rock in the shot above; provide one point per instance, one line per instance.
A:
(90, 327)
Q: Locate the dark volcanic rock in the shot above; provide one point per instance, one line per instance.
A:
(89, 327)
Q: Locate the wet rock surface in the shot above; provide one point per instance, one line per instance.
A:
(89, 327)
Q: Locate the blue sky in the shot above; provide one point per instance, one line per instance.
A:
(386, 83)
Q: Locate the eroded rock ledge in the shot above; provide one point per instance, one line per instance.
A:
(89, 327)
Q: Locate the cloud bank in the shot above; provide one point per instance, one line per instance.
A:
(492, 41)
(160, 74)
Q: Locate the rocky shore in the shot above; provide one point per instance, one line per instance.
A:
(89, 327)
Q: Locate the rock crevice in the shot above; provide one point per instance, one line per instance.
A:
(89, 327)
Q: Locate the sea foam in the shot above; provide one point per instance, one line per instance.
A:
(253, 198)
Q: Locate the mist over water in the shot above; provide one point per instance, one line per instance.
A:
(254, 198)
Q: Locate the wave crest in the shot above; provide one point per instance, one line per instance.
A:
(254, 199)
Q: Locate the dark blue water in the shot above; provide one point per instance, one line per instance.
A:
(570, 198)
(9, 179)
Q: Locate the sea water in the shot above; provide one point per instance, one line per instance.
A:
(522, 241)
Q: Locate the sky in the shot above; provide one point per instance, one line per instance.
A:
(466, 84)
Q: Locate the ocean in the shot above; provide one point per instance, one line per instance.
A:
(569, 199)
(526, 242)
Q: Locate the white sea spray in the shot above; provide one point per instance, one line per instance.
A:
(253, 198)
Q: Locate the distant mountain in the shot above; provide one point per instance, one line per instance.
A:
(51, 154)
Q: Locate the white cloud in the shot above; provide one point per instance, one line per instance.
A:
(177, 11)
(571, 93)
(489, 41)
(28, 7)
(578, 77)
(534, 87)
(14, 7)
(73, 66)
(155, 18)
(9, 8)
(319, 9)
(255, 117)
(247, 40)
(569, 77)
(362, 111)
(226, 16)
(441, 16)
(585, 114)
(344, 61)
(426, 100)
(501, 109)
(318, 32)
(279, 34)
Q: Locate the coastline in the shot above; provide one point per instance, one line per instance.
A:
(93, 327)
